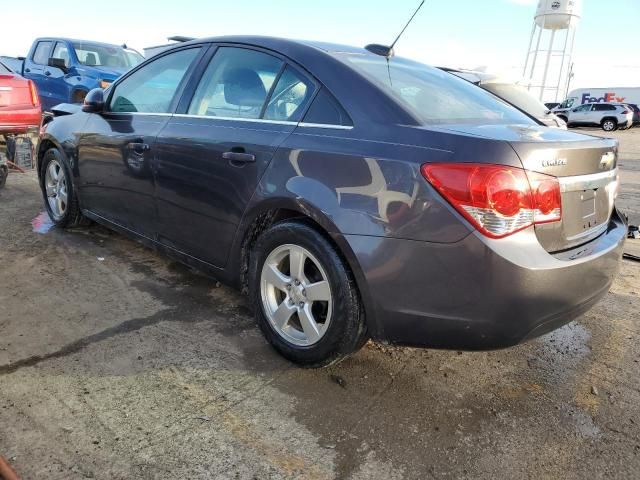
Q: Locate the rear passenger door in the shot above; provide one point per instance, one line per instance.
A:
(211, 156)
(34, 69)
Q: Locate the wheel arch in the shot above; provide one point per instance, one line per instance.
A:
(278, 210)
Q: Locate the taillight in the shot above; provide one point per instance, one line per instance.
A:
(35, 99)
(497, 200)
(625, 112)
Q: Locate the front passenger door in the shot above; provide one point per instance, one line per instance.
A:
(117, 146)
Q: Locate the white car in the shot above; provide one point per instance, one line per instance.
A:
(609, 116)
(514, 93)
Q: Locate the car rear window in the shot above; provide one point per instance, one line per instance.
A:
(434, 96)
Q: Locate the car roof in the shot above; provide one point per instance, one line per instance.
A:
(75, 40)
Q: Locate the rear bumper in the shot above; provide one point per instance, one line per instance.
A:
(19, 120)
(480, 294)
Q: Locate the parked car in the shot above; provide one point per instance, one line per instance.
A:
(351, 195)
(583, 96)
(552, 105)
(19, 103)
(64, 70)
(513, 93)
(608, 116)
(636, 113)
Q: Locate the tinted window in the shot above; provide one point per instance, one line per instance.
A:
(326, 110)
(41, 55)
(151, 88)
(96, 55)
(519, 96)
(289, 98)
(583, 108)
(4, 69)
(600, 107)
(434, 96)
(61, 51)
(235, 84)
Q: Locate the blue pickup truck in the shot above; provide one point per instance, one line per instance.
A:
(64, 70)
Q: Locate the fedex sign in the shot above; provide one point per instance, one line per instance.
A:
(608, 97)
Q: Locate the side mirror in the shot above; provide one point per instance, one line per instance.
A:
(94, 101)
(58, 63)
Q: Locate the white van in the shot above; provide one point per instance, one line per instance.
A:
(599, 95)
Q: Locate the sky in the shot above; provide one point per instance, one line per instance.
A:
(493, 34)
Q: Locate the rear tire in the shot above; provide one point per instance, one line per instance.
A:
(59, 195)
(305, 298)
(609, 124)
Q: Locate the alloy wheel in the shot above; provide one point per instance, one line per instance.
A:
(296, 295)
(608, 125)
(56, 187)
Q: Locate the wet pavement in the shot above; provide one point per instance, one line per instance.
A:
(116, 363)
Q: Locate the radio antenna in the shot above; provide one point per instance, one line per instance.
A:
(408, 23)
(385, 51)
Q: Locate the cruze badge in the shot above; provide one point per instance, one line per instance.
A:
(607, 160)
(556, 162)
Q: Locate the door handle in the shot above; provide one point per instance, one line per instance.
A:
(47, 73)
(138, 147)
(27, 70)
(239, 157)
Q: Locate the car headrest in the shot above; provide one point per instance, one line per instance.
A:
(243, 87)
(90, 59)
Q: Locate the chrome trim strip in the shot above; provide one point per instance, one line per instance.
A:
(587, 182)
(235, 119)
(324, 125)
(6, 89)
(141, 114)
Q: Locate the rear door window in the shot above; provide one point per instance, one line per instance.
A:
(236, 84)
(152, 88)
(289, 97)
(41, 54)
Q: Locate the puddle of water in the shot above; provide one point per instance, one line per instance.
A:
(42, 223)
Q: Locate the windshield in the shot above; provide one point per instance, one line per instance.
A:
(568, 103)
(434, 96)
(518, 96)
(95, 55)
(4, 69)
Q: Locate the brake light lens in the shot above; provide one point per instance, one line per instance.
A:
(498, 200)
(35, 99)
(625, 112)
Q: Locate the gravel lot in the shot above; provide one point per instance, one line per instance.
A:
(117, 363)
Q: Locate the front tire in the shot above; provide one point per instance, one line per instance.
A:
(60, 199)
(609, 124)
(305, 298)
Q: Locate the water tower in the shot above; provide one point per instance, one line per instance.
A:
(548, 65)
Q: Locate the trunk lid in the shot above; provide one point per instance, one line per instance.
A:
(586, 166)
(14, 91)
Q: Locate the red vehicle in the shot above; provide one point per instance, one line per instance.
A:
(20, 107)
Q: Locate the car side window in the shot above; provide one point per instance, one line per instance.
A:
(41, 53)
(152, 88)
(61, 51)
(289, 97)
(235, 84)
(325, 110)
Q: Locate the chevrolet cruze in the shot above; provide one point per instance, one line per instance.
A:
(351, 195)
